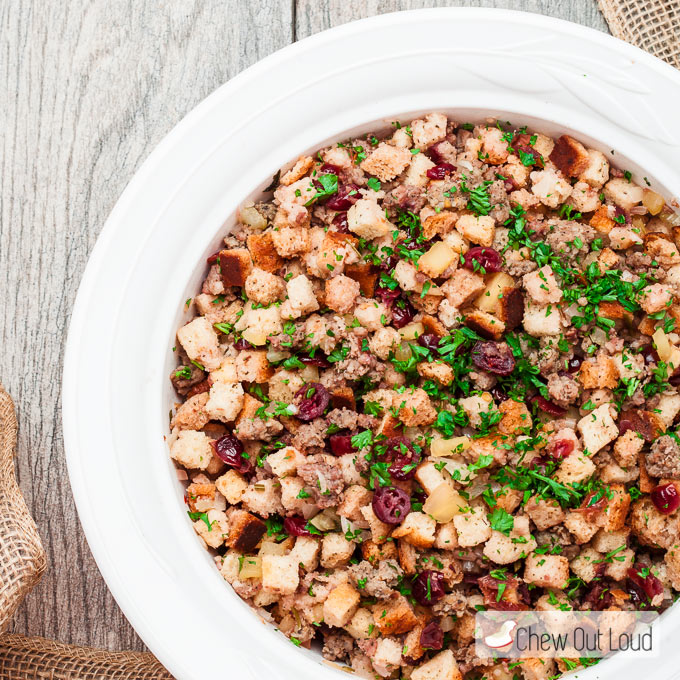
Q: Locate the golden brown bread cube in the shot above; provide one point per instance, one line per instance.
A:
(235, 265)
(245, 531)
(570, 156)
(264, 253)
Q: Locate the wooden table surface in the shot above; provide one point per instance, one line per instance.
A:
(89, 89)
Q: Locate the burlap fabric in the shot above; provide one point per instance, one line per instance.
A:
(652, 25)
(22, 562)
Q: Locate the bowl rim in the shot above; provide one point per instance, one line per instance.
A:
(156, 158)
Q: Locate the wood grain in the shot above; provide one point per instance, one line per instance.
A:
(89, 88)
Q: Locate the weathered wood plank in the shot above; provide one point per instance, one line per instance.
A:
(313, 16)
(89, 88)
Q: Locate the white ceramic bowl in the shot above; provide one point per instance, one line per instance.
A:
(471, 63)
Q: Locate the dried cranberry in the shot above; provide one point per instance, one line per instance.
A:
(674, 379)
(625, 424)
(329, 168)
(386, 295)
(598, 598)
(390, 504)
(212, 259)
(317, 360)
(549, 407)
(642, 585)
(346, 196)
(296, 526)
(312, 400)
(404, 458)
(429, 341)
(428, 587)
(441, 170)
(510, 185)
(242, 343)
(591, 506)
(526, 149)
(389, 263)
(620, 212)
(432, 636)
(665, 498)
(499, 394)
(495, 357)
(574, 364)
(434, 155)
(650, 355)
(402, 313)
(512, 597)
(229, 449)
(340, 222)
(560, 449)
(487, 258)
(341, 444)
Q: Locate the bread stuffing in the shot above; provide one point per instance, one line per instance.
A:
(435, 371)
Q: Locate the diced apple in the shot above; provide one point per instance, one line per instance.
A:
(251, 567)
(412, 331)
(667, 352)
(437, 259)
(444, 503)
(443, 448)
(489, 300)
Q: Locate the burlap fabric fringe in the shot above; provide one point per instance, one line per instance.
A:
(652, 25)
(22, 562)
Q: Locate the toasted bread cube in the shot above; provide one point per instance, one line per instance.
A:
(440, 223)
(472, 527)
(672, 561)
(264, 288)
(652, 527)
(602, 222)
(617, 508)
(416, 175)
(516, 417)
(306, 552)
(598, 429)
(428, 476)
(494, 147)
(192, 450)
(440, 667)
(570, 156)
(606, 541)
(252, 366)
(428, 130)
(340, 605)
(290, 489)
(618, 568)
(280, 574)
(232, 486)
(291, 241)
(462, 287)
(580, 527)
(380, 531)
(446, 537)
(362, 627)
(258, 324)
(577, 467)
(387, 655)
(395, 616)
(302, 166)
(436, 370)
(199, 340)
(226, 401)
(285, 462)
(479, 229)
(367, 220)
(486, 325)
(341, 293)
(374, 553)
(597, 172)
(301, 296)
(538, 669)
(544, 513)
(599, 372)
(540, 321)
(386, 161)
(371, 315)
(336, 550)
(235, 266)
(550, 187)
(365, 275)
(586, 564)
(214, 535)
(542, 286)
(503, 549)
(547, 571)
(624, 193)
(245, 531)
(415, 408)
(263, 252)
(191, 415)
(417, 529)
(354, 498)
